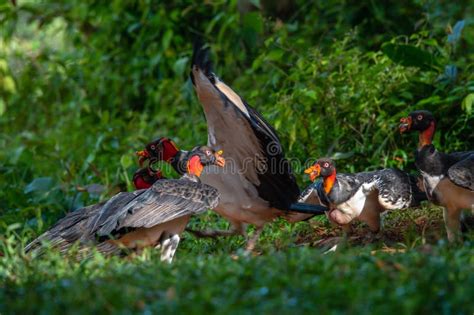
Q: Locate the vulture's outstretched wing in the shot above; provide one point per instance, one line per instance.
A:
(251, 145)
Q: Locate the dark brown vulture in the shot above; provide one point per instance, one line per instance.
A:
(155, 216)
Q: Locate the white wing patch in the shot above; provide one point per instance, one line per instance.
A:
(232, 96)
(228, 127)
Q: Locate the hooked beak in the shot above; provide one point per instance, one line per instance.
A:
(144, 155)
(405, 124)
(220, 161)
(313, 172)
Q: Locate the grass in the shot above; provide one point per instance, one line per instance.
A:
(408, 270)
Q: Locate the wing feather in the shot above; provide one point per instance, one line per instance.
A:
(67, 230)
(164, 201)
(249, 142)
(462, 173)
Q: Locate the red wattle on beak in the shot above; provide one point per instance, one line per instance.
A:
(405, 124)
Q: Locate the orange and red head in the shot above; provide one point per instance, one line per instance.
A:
(161, 149)
(325, 168)
(422, 121)
(202, 156)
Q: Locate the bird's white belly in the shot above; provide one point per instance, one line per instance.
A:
(361, 205)
(354, 205)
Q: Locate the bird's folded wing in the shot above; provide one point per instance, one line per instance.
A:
(69, 229)
(113, 208)
(462, 173)
(347, 185)
(164, 201)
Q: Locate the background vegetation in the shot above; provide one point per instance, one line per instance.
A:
(83, 84)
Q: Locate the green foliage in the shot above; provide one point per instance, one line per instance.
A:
(298, 280)
(83, 84)
(410, 56)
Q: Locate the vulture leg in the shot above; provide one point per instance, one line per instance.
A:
(347, 229)
(252, 241)
(467, 221)
(168, 244)
(452, 223)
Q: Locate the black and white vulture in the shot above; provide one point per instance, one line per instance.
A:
(73, 227)
(448, 178)
(155, 216)
(362, 196)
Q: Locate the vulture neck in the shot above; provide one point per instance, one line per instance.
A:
(195, 166)
(169, 152)
(140, 183)
(328, 182)
(426, 136)
(178, 162)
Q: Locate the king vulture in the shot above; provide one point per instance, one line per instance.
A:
(362, 196)
(155, 216)
(73, 227)
(448, 179)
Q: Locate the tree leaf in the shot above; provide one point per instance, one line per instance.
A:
(3, 107)
(467, 103)
(410, 56)
(456, 34)
(40, 184)
(180, 66)
(9, 84)
(342, 155)
(126, 161)
(311, 94)
(254, 21)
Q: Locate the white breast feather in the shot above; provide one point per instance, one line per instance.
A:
(355, 204)
(431, 181)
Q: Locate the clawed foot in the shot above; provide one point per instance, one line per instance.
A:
(168, 248)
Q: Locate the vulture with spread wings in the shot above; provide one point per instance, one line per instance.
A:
(257, 185)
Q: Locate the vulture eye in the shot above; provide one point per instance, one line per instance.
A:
(419, 117)
(152, 147)
(326, 164)
(208, 152)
